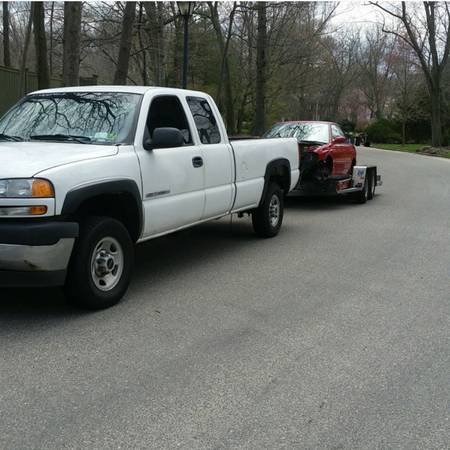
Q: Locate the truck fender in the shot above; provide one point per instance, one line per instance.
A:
(75, 198)
(280, 170)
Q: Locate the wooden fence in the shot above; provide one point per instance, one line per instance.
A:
(13, 85)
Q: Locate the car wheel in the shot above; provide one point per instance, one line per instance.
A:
(268, 217)
(101, 264)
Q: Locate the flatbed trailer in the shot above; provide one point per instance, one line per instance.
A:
(360, 185)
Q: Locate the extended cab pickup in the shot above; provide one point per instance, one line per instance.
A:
(85, 173)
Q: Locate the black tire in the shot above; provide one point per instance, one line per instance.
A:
(263, 218)
(84, 286)
(350, 171)
(372, 185)
(362, 196)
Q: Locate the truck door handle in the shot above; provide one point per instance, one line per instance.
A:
(197, 161)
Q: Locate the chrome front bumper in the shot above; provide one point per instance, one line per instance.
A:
(36, 258)
(35, 253)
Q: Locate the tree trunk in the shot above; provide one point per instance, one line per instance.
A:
(174, 75)
(71, 43)
(6, 52)
(26, 45)
(229, 104)
(50, 52)
(436, 127)
(403, 132)
(40, 41)
(241, 113)
(224, 75)
(261, 42)
(142, 50)
(155, 33)
(121, 74)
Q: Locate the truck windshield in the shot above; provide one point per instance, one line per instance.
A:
(303, 131)
(86, 117)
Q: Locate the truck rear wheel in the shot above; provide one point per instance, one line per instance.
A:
(101, 265)
(268, 217)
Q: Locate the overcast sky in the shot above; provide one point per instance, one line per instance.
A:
(356, 12)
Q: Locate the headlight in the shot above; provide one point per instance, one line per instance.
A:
(26, 188)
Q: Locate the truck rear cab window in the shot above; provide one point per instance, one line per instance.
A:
(206, 123)
(167, 111)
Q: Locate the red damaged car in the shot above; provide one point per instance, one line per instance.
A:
(325, 154)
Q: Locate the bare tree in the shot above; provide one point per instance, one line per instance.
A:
(408, 80)
(375, 68)
(430, 40)
(261, 61)
(71, 43)
(142, 48)
(40, 41)
(120, 76)
(26, 46)
(6, 51)
(223, 42)
(340, 58)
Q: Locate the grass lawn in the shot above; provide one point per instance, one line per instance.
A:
(424, 149)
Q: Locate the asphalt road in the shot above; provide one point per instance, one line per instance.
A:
(335, 334)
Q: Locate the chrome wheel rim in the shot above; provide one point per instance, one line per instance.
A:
(107, 264)
(274, 210)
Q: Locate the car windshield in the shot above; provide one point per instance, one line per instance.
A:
(86, 117)
(302, 131)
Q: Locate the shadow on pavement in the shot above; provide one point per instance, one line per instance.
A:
(179, 251)
(320, 202)
(163, 258)
(159, 258)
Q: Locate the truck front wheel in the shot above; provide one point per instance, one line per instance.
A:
(101, 265)
(268, 217)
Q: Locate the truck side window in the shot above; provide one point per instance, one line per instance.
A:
(206, 123)
(167, 111)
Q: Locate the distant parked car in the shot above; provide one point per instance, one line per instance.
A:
(323, 148)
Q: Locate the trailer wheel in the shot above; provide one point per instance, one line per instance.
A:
(372, 184)
(268, 217)
(362, 196)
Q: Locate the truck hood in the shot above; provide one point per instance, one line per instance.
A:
(26, 159)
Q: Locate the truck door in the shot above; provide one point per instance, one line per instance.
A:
(172, 178)
(218, 158)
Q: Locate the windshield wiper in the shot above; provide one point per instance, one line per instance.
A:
(61, 137)
(7, 137)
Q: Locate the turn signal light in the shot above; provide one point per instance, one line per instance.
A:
(42, 188)
(38, 210)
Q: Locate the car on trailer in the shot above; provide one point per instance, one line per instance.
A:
(327, 160)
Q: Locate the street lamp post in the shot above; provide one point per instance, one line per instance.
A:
(185, 9)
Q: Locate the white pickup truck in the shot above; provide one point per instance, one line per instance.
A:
(85, 173)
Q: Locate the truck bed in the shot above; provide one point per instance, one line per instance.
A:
(251, 158)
